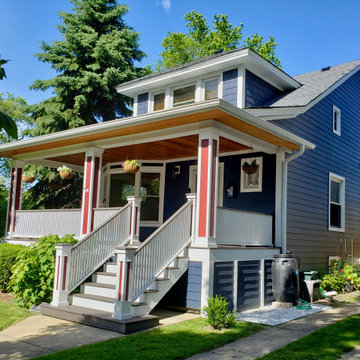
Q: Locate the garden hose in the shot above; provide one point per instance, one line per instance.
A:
(304, 305)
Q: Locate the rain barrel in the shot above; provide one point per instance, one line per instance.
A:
(285, 278)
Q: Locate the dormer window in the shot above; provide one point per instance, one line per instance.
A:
(159, 102)
(184, 96)
(336, 120)
(211, 89)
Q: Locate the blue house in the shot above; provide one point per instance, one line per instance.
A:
(238, 161)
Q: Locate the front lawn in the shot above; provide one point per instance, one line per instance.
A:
(177, 341)
(328, 343)
(10, 313)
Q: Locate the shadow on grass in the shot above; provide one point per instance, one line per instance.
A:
(326, 344)
(177, 341)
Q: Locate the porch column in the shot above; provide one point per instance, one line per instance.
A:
(134, 227)
(91, 187)
(60, 291)
(15, 195)
(208, 158)
(123, 300)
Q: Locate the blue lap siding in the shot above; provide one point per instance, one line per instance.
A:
(308, 178)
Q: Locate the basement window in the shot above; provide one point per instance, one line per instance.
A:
(336, 202)
(336, 120)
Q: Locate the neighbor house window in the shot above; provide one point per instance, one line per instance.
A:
(159, 102)
(336, 202)
(184, 95)
(211, 89)
(336, 120)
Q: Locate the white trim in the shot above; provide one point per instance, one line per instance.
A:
(243, 176)
(337, 111)
(341, 181)
(241, 87)
(289, 112)
(246, 56)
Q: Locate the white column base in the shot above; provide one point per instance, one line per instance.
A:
(204, 242)
(122, 310)
(60, 298)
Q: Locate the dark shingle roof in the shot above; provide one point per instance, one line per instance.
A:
(313, 85)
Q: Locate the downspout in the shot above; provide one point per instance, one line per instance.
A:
(284, 194)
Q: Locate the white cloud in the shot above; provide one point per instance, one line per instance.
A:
(166, 4)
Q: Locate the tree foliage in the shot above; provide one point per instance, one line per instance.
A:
(98, 52)
(201, 41)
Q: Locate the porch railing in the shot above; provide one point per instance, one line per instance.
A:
(235, 227)
(101, 215)
(92, 251)
(37, 223)
(157, 252)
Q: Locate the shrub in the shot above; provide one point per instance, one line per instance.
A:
(33, 276)
(218, 314)
(342, 277)
(8, 255)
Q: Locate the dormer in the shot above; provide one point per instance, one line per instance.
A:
(240, 77)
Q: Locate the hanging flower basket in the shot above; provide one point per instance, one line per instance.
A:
(250, 168)
(28, 178)
(131, 166)
(65, 173)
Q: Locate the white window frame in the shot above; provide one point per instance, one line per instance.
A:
(337, 111)
(341, 180)
(217, 77)
(259, 161)
(193, 177)
(143, 169)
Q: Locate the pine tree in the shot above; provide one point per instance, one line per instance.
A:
(98, 52)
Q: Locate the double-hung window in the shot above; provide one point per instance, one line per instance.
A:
(211, 89)
(336, 203)
(336, 120)
(185, 95)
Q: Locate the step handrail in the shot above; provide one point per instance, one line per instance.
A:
(160, 249)
(94, 249)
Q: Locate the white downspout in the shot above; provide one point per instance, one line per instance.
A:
(284, 195)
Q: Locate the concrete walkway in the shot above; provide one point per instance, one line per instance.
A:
(269, 340)
(39, 335)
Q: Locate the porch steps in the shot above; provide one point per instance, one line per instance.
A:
(100, 319)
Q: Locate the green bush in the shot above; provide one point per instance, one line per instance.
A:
(342, 277)
(33, 276)
(8, 255)
(218, 314)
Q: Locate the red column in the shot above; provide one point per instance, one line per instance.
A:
(15, 195)
(207, 188)
(91, 187)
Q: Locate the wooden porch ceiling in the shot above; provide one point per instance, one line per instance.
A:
(177, 148)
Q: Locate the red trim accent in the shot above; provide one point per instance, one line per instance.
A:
(17, 193)
(213, 190)
(127, 282)
(12, 183)
(58, 272)
(130, 219)
(64, 273)
(136, 216)
(203, 186)
(120, 281)
(95, 191)
(87, 195)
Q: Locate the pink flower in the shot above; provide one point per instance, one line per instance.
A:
(338, 257)
(346, 279)
(341, 270)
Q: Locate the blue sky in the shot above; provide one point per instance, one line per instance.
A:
(311, 34)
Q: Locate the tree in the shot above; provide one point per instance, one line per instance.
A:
(98, 52)
(201, 41)
(6, 122)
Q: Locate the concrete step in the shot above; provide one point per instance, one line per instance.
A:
(105, 278)
(93, 302)
(100, 319)
(106, 290)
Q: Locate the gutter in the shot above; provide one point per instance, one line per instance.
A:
(292, 157)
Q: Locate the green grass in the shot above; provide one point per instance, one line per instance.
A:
(11, 314)
(326, 344)
(177, 341)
